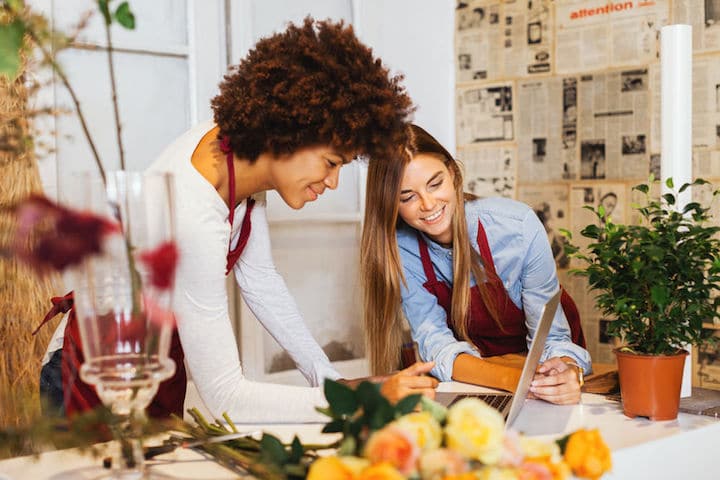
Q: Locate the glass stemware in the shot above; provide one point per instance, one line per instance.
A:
(123, 313)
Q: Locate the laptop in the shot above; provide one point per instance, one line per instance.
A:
(510, 404)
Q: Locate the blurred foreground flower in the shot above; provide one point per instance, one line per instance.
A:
(587, 454)
(161, 262)
(49, 236)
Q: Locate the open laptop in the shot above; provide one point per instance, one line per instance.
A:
(507, 403)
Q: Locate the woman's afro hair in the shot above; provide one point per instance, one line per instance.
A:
(313, 84)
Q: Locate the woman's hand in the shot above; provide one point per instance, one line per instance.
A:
(409, 381)
(556, 382)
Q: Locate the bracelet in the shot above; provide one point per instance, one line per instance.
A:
(579, 370)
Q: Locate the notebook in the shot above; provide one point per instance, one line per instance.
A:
(510, 404)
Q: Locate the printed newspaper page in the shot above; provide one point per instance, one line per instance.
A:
(547, 129)
(551, 204)
(706, 103)
(597, 34)
(478, 36)
(495, 39)
(527, 44)
(489, 171)
(485, 114)
(704, 16)
(614, 125)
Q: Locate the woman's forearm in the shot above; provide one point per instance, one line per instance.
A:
(470, 369)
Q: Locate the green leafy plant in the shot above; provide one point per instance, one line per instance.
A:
(658, 280)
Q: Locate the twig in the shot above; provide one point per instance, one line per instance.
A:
(113, 88)
(56, 68)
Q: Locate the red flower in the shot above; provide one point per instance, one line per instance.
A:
(161, 261)
(50, 236)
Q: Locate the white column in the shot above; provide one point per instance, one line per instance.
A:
(676, 121)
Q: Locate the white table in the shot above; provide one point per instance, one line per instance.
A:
(681, 448)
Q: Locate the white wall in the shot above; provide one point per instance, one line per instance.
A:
(415, 38)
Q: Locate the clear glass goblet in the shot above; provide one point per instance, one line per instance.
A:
(123, 312)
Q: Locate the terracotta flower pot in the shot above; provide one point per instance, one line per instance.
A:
(650, 384)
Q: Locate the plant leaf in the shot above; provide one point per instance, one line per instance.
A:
(669, 183)
(11, 39)
(341, 398)
(105, 11)
(124, 16)
(273, 450)
(407, 404)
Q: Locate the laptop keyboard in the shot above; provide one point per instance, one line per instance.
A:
(499, 402)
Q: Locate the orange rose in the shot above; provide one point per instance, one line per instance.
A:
(394, 446)
(587, 454)
(381, 471)
(326, 468)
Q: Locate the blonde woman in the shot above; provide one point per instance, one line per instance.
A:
(470, 275)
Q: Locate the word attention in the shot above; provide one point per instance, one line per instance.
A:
(607, 9)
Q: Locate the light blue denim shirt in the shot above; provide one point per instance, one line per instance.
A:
(523, 260)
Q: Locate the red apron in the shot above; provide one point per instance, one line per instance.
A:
(484, 333)
(80, 396)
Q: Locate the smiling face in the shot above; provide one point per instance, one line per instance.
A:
(303, 176)
(428, 198)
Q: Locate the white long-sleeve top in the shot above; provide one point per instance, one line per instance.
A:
(201, 302)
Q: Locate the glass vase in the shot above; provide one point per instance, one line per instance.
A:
(123, 311)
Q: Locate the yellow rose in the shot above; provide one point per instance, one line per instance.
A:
(355, 464)
(381, 471)
(441, 463)
(587, 454)
(394, 446)
(462, 476)
(423, 428)
(497, 473)
(533, 448)
(475, 430)
(327, 468)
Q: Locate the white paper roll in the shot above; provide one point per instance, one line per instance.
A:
(676, 121)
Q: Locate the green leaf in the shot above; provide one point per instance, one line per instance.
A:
(642, 188)
(296, 450)
(407, 404)
(11, 40)
(341, 398)
(669, 198)
(334, 426)
(327, 411)
(105, 11)
(124, 16)
(659, 295)
(437, 410)
(562, 443)
(669, 183)
(272, 450)
(347, 447)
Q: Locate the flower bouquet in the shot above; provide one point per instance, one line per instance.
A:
(413, 439)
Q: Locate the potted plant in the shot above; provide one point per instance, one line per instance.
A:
(659, 282)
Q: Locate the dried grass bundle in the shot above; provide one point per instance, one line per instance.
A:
(24, 296)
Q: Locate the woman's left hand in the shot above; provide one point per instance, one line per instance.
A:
(556, 382)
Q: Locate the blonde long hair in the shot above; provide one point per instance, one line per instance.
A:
(381, 268)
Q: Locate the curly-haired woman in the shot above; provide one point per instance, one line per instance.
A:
(302, 104)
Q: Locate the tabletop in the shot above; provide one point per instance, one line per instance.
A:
(680, 448)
